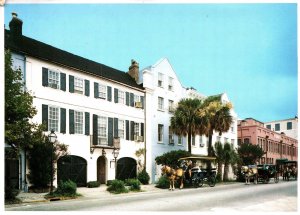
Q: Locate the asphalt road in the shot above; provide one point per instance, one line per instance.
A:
(281, 197)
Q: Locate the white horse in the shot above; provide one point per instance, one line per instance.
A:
(250, 172)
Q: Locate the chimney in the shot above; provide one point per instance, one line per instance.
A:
(134, 70)
(15, 25)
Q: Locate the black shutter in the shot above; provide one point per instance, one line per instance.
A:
(96, 90)
(71, 122)
(63, 120)
(109, 93)
(142, 130)
(87, 87)
(45, 77)
(87, 123)
(131, 130)
(63, 81)
(116, 95)
(95, 129)
(142, 101)
(131, 99)
(127, 130)
(71, 83)
(127, 98)
(110, 131)
(45, 116)
(116, 127)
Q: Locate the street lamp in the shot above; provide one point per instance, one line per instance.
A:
(115, 154)
(52, 138)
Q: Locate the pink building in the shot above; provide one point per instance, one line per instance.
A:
(276, 145)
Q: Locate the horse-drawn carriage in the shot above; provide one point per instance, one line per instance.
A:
(193, 171)
(287, 169)
(260, 173)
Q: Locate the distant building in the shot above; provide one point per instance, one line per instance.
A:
(275, 145)
(288, 126)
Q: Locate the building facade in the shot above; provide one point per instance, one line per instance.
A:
(163, 92)
(275, 145)
(96, 110)
(288, 126)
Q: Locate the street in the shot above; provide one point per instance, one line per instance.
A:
(281, 197)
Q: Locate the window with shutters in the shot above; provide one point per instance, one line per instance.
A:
(102, 131)
(53, 79)
(78, 121)
(121, 97)
(121, 128)
(78, 85)
(160, 133)
(53, 118)
(102, 91)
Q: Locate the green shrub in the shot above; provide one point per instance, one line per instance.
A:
(163, 182)
(108, 183)
(117, 186)
(92, 184)
(143, 177)
(66, 188)
(135, 184)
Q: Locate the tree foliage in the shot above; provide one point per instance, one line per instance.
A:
(249, 153)
(18, 108)
(171, 158)
(186, 120)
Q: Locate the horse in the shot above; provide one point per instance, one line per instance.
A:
(250, 172)
(173, 174)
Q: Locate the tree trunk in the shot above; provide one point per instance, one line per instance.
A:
(190, 141)
(220, 170)
(209, 150)
(226, 171)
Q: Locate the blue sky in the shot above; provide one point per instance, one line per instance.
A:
(248, 51)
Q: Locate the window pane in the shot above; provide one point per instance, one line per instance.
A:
(121, 97)
(78, 85)
(53, 118)
(160, 103)
(277, 127)
(53, 79)
(121, 129)
(269, 127)
(78, 122)
(160, 133)
(102, 91)
(289, 125)
(102, 130)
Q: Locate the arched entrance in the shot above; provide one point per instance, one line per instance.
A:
(101, 169)
(126, 168)
(74, 168)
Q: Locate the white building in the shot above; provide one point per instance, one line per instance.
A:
(163, 92)
(94, 109)
(288, 126)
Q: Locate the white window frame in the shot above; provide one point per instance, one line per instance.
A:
(121, 97)
(137, 98)
(170, 86)
(78, 85)
(78, 122)
(102, 91)
(171, 106)
(179, 141)
(102, 131)
(160, 80)
(121, 128)
(160, 133)
(54, 79)
(201, 142)
(53, 118)
(161, 103)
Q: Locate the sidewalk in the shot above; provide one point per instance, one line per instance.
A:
(97, 192)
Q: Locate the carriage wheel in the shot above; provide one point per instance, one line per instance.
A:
(198, 183)
(266, 179)
(212, 181)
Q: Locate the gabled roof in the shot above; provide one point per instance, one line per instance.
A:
(27, 46)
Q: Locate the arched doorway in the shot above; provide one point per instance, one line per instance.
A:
(101, 169)
(126, 168)
(74, 168)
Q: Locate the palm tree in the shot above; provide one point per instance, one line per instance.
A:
(219, 152)
(186, 121)
(230, 158)
(215, 116)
